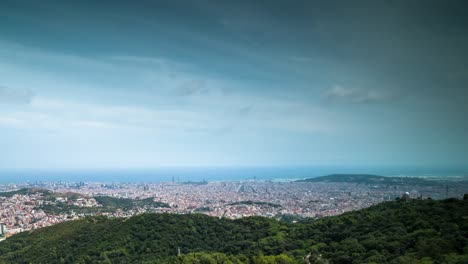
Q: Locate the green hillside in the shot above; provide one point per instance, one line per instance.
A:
(126, 203)
(25, 191)
(108, 204)
(415, 231)
(373, 179)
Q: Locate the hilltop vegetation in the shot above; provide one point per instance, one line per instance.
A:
(107, 204)
(373, 179)
(416, 231)
(126, 203)
(25, 191)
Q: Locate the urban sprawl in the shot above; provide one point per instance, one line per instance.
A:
(31, 210)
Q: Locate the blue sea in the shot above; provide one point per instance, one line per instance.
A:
(212, 174)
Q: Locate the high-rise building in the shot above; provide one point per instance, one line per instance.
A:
(2, 229)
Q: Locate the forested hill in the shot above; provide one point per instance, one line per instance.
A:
(373, 179)
(414, 231)
(25, 191)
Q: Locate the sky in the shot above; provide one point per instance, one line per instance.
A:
(142, 84)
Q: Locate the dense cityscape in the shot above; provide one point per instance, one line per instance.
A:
(42, 204)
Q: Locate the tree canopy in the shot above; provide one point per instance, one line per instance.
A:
(414, 231)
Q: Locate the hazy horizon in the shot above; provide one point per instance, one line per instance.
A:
(216, 174)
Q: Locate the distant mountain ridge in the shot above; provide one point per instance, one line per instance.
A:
(372, 179)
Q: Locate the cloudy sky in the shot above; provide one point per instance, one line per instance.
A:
(102, 84)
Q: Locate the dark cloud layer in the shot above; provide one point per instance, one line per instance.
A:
(290, 79)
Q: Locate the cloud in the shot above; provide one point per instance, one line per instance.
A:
(193, 87)
(245, 110)
(458, 75)
(342, 94)
(171, 98)
(15, 96)
(9, 121)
